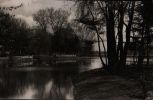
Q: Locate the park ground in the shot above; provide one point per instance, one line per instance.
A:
(101, 85)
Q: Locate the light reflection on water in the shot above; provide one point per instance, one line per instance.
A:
(28, 93)
(90, 64)
(43, 82)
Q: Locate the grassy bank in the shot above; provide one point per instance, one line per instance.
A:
(130, 84)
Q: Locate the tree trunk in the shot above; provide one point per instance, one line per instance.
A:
(141, 54)
(111, 43)
(147, 33)
(98, 37)
(120, 37)
(147, 17)
(128, 31)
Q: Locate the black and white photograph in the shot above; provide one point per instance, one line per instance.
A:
(76, 50)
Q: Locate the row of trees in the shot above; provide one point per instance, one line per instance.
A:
(131, 20)
(53, 34)
(61, 33)
(14, 34)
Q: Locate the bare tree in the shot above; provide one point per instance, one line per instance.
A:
(51, 17)
(110, 14)
(41, 18)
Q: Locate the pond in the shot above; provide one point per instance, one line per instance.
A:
(44, 81)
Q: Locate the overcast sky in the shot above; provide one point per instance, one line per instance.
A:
(32, 6)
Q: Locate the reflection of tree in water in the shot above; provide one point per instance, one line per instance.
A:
(48, 85)
(41, 84)
(56, 88)
(8, 85)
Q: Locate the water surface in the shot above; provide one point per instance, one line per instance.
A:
(44, 81)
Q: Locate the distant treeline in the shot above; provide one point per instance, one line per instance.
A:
(17, 38)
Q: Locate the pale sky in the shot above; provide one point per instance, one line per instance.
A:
(32, 6)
